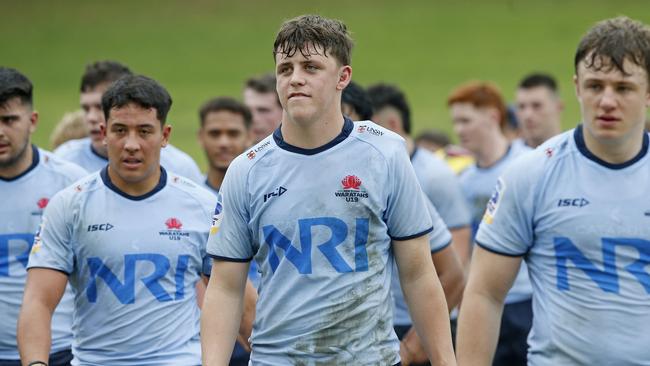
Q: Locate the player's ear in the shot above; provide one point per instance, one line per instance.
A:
(166, 133)
(345, 76)
(102, 131)
(33, 120)
(576, 86)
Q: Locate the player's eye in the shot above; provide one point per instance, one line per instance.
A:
(311, 67)
(623, 88)
(595, 87)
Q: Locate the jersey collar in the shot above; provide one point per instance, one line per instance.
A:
(107, 181)
(578, 136)
(35, 159)
(348, 126)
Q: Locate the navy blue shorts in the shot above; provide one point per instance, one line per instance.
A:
(61, 358)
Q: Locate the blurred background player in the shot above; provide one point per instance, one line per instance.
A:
(538, 108)
(29, 177)
(439, 143)
(224, 135)
(131, 239)
(577, 210)
(442, 189)
(261, 98)
(327, 302)
(355, 103)
(90, 153)
(70, 127)
(478, 113)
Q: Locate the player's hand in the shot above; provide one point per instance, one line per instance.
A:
(243, 341)
(404, 355)
(411, 347)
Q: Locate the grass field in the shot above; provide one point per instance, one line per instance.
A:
(199, 49)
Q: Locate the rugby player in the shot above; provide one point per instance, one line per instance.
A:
(324, 207)
(538, 108)
(29, 177)
(262, 100)
(577, 210)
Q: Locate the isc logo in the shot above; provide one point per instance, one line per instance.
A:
(575, 202)
(125, 291)
(100, 227)
(301, 259)
(25, 240)
(607, 278)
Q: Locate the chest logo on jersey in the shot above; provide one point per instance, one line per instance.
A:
(100, 227)
(572, 202)
(41, 204)
(352, 190)
(252, 153)
(276, 193)
(174, 231)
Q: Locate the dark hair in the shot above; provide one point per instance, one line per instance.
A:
(14, 84)
(536, 80)
(358, 98)
(263, 84)
(434, 136)
(313, 34)
(225, 104)
(102, 72)
(611, 41)
(480, 94)
(138, 89)
(384, 95)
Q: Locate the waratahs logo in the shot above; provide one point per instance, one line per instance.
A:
(173, 231)
(351, 182)
(351, 191)
(42, 203)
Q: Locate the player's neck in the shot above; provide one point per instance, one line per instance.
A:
(614, 152)
(215, 177)
(492, 152)
(100, 149)
(138, 188)
(311, 134)
(19, 166)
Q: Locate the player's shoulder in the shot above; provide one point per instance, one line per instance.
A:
(80, 189)
(533, 163)
(253, 155)
(187, 189)
(383, 140)
(175, 153)
(58, 165)
(72, 146)
(434, 164)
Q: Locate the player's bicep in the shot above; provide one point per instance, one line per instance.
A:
(44, 286)
(413, 258)
(491, 274)
(228, 276)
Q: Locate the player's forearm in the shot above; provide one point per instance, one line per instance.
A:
(478, 329)
(34, 334)
(248, 317)
(452, 280)
(428, 309)
(220, 322)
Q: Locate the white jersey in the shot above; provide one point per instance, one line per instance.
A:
(23, 200)
(81, 152)
(583, 227)
(133, 262)
(319, 223)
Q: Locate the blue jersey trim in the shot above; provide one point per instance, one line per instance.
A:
(441, 248)
(228, 259)
(35, 160)
(348, 126)
(498, 251)
(207, 183)
(52, 268)
(92, 150)
(402, 238)
(579, 138)
(161, 184)
(415, 150)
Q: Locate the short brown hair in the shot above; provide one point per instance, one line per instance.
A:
(611, 41)
(225, 104)
(480, 94)
(312, 33)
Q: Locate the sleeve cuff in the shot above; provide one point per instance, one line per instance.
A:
(489, 249)
(229, 259)
(409, 237)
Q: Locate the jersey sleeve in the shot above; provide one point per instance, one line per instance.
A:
(52, 246)
(230, 237)
(406, 213)
(439, 237)
(507, 225)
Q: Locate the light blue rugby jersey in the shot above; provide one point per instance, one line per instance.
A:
(439, 239)
(23, 199)
(478, 185)
(583, 227)
(133, 263)
(81, 152)
(442, 187)
(319, 224)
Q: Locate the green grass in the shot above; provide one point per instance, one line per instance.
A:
(199, 49)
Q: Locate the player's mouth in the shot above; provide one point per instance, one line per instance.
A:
(607, 120)
(298, 95)
(132, 163)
